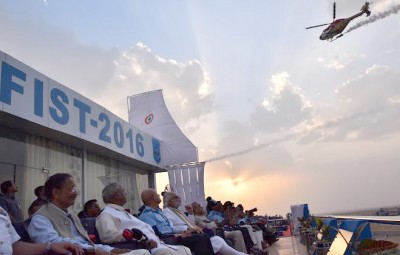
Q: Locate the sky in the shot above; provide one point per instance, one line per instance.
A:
(319, 121)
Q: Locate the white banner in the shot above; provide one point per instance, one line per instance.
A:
(298, 212)
(188, 182)
(30, 95)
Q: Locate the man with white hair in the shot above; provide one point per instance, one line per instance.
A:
(112, 221)
(198, 243)
(181, 223)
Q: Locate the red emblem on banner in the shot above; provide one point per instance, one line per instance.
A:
(148, 119)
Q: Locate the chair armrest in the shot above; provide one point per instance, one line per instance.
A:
(169, 239)
(130, 245)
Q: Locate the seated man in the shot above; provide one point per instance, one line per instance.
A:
(247, 217)
(39, 193)
(90, 209)
(202, 221)
(54, 222)
(10, 243)
(9, 202)
(154, 216)
(35, 206)
(180, 223)
(216, 214)
(114, 219)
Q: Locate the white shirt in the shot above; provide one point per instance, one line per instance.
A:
(41, 230)
(8, 235)
(114, 219)
(177, 224)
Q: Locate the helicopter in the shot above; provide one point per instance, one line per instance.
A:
(337, 26)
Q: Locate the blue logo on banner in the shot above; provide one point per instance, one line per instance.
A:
(156, 150)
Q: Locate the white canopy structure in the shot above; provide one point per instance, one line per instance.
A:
(148, 112)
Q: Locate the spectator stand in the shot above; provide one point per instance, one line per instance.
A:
(281, 227)
(353, 236)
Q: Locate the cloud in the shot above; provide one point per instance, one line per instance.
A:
(286, 107)
(186, 86)
(371, 90)
(368, 108)
(272, 123)
(108, 76)
(57, 53)
(338, 61)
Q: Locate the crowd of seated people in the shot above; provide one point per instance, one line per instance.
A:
(237, 218)
(53, 228)
(275, 217)
(201, 220)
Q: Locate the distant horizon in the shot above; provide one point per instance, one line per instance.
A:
(353, 212)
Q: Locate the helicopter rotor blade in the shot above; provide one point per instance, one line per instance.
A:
(334, 10)
(318, 25)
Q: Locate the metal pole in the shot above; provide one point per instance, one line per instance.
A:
(84, 176)
(15, 173)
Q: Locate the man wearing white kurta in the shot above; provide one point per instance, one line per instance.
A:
(181, 223)
(114, 219)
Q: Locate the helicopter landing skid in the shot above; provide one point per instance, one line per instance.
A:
(337, 37)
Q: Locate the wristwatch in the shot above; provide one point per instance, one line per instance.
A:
(48, 247)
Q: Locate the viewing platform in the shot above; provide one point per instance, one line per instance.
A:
(288, 246)
(292, 245)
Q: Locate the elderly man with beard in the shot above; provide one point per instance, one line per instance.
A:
(181, 223)
(201, 220)
(152, 214)
(55, 222)
(114, 219)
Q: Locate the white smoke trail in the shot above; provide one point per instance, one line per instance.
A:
(260, 146)
(325, 125)
(375, 17)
